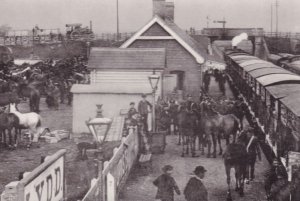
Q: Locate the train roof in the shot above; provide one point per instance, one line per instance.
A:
(273, 79)
(283, 90)
(254, 61)
(292, 102)
(258, 66)
(268, 71)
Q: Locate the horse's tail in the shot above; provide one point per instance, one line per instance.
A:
(39, 124)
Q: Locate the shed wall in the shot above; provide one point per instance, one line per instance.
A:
(84, 107)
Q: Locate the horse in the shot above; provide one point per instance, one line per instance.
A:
(236, 156)
(30, 120)
(187, 128)
(215, 125)
(8, 121)
(26, 90)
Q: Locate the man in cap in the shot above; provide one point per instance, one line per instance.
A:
(190, 104)
(195, 190)
(166, 185)
(132, 111)
(143, 111)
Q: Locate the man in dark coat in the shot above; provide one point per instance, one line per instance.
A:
(166, 185)
(143, 111)
(195, 190)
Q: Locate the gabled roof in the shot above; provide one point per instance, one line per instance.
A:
(129, 58)
(176, 33)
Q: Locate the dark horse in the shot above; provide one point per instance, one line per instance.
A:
(187, 127)
(27, 90)
(217, 125)
(236, 156)
(277, 186)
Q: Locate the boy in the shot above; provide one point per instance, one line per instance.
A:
(166, 185)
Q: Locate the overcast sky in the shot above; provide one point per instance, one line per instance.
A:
(24, 14)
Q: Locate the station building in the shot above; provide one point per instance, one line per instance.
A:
(120, 75)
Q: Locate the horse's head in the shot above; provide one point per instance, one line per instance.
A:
(245, 135)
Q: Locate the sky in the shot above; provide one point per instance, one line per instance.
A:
(25, 14)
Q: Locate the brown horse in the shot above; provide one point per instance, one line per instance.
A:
(215, 125)
(26, 90)
(236, 156)
(187, 129)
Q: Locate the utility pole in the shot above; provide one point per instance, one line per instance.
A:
(223, 22)
(271, 18)
(117, 20)
(276, 17)
(207, 21)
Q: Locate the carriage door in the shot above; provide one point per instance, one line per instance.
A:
(180, 82)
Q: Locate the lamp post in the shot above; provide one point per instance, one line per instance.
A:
(153, 79)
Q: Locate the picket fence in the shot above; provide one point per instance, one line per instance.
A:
(115, 171)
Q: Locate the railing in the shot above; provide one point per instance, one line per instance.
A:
(116, 170)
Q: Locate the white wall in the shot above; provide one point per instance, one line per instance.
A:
(84, 107)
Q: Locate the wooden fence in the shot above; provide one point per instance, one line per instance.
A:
(115, 171)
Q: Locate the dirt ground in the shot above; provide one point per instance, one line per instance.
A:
(78, 173)
(139, 186)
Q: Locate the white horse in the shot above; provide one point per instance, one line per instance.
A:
(30, 120)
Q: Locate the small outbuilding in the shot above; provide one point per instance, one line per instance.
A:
(118, 77)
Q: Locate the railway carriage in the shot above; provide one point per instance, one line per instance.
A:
(271, 91)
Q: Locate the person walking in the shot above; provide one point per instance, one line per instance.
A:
(195, 190)
(166, 185)
(143, 111)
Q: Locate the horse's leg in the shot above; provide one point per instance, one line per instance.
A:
(187, 142)
(179, 135)
(209, 136)
(215, 145)
(220, 145)
(183, 142)
(237, 184)
(227, 169)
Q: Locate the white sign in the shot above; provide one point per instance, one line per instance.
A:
(49, 185)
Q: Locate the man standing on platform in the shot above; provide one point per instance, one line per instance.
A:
(143, 111)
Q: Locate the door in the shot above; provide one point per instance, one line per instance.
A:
(169, 84)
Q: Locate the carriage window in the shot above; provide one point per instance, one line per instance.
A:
(263, 94)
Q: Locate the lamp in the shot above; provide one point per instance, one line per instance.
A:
(153, 79)
(96, 125)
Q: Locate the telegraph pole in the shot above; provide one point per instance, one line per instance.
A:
(207, 21)
(223, 22)
(271, 18)
(276, 17)
(117, 20)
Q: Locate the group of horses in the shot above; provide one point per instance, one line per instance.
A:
(52, 79)
(209, 121)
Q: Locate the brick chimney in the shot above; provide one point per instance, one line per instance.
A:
(163, 9)
(169, 11)
(159, 8)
